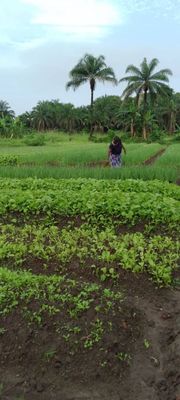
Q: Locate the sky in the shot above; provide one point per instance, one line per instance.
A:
(42, 40)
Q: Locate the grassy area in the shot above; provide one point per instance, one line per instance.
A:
(171, 157)
(76, 153)
(137, 154)
(146, 173)
(61, 158)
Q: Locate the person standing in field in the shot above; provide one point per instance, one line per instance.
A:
(114, 153)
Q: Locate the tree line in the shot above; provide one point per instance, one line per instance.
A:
(147, 103)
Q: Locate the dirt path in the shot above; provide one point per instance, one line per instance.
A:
(152, 159)
(153, 372)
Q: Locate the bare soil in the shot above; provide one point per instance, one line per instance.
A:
(146, 328)
(152, 159)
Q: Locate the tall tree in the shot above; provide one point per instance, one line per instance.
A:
(146, 84)
(90, 69)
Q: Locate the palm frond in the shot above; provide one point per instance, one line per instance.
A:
(133, 87)
(162, 75)
(144, 69)
(75, 83)
(152, 65)
(134, 70)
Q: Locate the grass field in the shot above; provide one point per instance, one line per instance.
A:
(81, 158)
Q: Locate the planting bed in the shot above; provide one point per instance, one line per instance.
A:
(89, 298)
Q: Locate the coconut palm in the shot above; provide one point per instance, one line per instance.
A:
(147, 85)
(5, 110)
(90, 69)
(145, 82)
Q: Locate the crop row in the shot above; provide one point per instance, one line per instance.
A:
(101, 252)
(128, 185)
(41, 297)
(127, 207)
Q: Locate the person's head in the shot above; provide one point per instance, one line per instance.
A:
(116, 140)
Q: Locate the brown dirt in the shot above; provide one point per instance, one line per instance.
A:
(147, 314)
(152, 159)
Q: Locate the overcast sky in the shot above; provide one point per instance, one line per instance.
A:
(42, 40)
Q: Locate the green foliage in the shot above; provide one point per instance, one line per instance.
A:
(101, 204)
(8, 160)
(11, 127)
(64, 244)
(35, 140)
(156, 136)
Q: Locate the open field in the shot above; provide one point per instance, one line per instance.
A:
(89, 289)
(80, 158)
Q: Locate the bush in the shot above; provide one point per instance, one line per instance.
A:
(106, 138)
(35, 140)
(8, 160)
(156, 136)
(177, 137)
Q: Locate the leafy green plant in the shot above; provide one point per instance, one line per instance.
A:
(49, 354)
(121, 356)
(35, 140)
(146, 344)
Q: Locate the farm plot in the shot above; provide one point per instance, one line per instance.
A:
(84, 160)
(170, 157)
(74, 154)
(87, 268)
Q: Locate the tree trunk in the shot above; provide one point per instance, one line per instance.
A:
(91, 113)
(132, 128)
(172, 122)
(144, 132)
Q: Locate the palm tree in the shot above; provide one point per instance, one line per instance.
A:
(167, 110)
(146, 84)
(128, 115)
(145, 81)
(42, 116)
(90, 69)
(5, 110)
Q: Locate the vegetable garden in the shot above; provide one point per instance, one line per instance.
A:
(89, 287)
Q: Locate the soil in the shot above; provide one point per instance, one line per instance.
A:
(152, 159)
(37, 364)
(147, 327)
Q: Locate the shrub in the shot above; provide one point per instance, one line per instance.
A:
(8, 160)
(35, 140)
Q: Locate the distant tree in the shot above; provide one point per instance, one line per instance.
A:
(42, 118)
(128, 116)
(146, 84)
(105, 110)
(5, 110)
(168, 112)
(26, 119)
(90, 69)
(67, 117)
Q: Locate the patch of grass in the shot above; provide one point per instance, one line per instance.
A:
(146, 173)
(170, 158)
